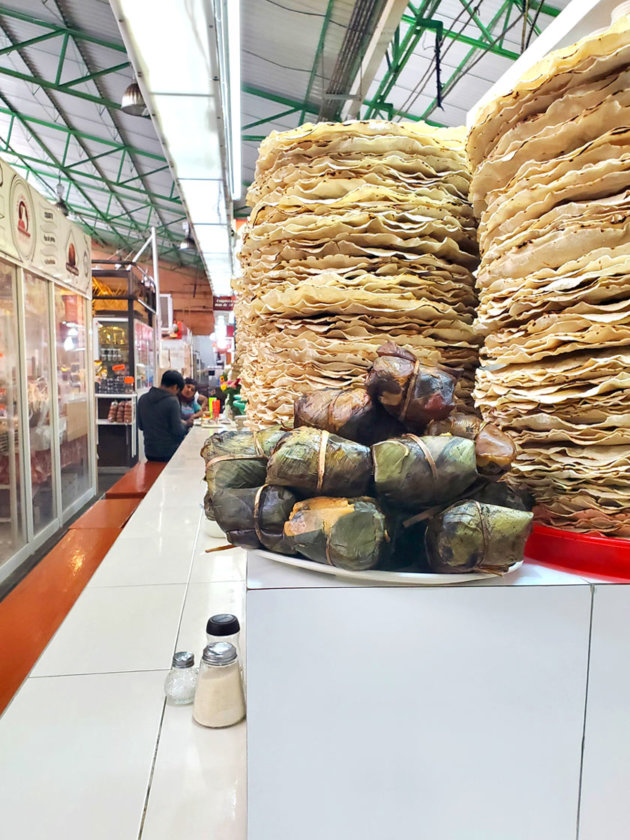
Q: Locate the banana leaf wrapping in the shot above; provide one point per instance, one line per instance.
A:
(499, 493)
(233, 472)
(411, 392)
(256, 443)
(254, 517)
(207, 506)
(472, 536)
(495, 451)
(420, 472)
(350, 413)
(346, 533)
(316, 462)
(458, 423)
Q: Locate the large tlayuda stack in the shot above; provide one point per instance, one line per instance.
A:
(551, 186)
(360, 232)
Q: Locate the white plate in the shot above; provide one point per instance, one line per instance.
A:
(378, 576)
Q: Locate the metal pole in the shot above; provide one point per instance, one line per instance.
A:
(145, 246)
(158, 323)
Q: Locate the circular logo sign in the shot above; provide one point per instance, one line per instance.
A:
(22, 219)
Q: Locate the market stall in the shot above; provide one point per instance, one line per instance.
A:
(124, 355)
(47, 464)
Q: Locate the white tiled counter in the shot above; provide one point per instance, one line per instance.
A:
(88, 743)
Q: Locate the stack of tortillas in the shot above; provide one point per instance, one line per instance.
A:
(551, 187)
(360, 232)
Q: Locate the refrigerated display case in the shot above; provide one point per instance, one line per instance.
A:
(124, 356)
(47, 429)
(11, 499)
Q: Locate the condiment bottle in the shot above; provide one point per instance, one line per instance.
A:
(224, 627)
(219, 697)
(181, 680)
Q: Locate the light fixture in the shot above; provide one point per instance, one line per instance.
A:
(187, 243)
(132, 102)
(234, 60)
(60, 204)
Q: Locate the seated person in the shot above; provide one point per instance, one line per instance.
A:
(188, 405)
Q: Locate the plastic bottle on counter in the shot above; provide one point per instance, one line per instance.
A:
(224, 627)
(219, 699)
(181, 680)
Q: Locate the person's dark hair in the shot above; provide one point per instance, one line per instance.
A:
(190, 381)
(172, 377)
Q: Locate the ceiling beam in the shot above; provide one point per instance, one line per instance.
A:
(114, 116)
(93, 138)
(54, 27)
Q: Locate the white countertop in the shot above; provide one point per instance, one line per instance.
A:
(265, 573)
(88, 742)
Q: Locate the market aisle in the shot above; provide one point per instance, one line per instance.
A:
(90, 726)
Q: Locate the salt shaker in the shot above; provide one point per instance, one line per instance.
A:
(219, 697)
(224, 627)
(181, 680)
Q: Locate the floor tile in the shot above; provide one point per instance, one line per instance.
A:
(31, 613)
(118, 628)
(199, 782)
(202, 601)
(218, 566)
(140, 561)
(77, 754)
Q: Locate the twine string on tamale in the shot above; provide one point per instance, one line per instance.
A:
(321, 462)
(235, 458)
(260, 452)
(485, 542)
(257, 503)
(428, 456)
(410, 389)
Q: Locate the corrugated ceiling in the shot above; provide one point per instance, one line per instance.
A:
(63, 70)
(479, 40)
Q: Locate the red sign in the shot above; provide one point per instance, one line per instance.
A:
(223, 303)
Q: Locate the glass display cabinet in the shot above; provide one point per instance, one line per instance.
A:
(47, 428)
(123, 307)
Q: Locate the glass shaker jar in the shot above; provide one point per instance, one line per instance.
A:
(219, 699)
(181, 680)
(224, 627)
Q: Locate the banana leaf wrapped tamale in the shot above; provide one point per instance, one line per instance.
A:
(350, 413)
(207, 506)
(230, 472)
(255, 516)
(472, 536)
(458, 423)
(495, 450)
(420, 472)
(347, 533)
(242, 443)
(411, 392)
(317, 462)
(499, 493)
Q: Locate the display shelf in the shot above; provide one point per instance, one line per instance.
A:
(116, 396)
(112, 423)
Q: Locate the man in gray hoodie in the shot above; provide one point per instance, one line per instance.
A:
(159, 417)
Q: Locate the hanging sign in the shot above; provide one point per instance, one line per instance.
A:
(223, 303)
(22, 215)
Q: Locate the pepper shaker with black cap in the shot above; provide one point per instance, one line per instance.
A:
(224, 627)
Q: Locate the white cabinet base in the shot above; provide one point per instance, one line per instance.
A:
(447, 714)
